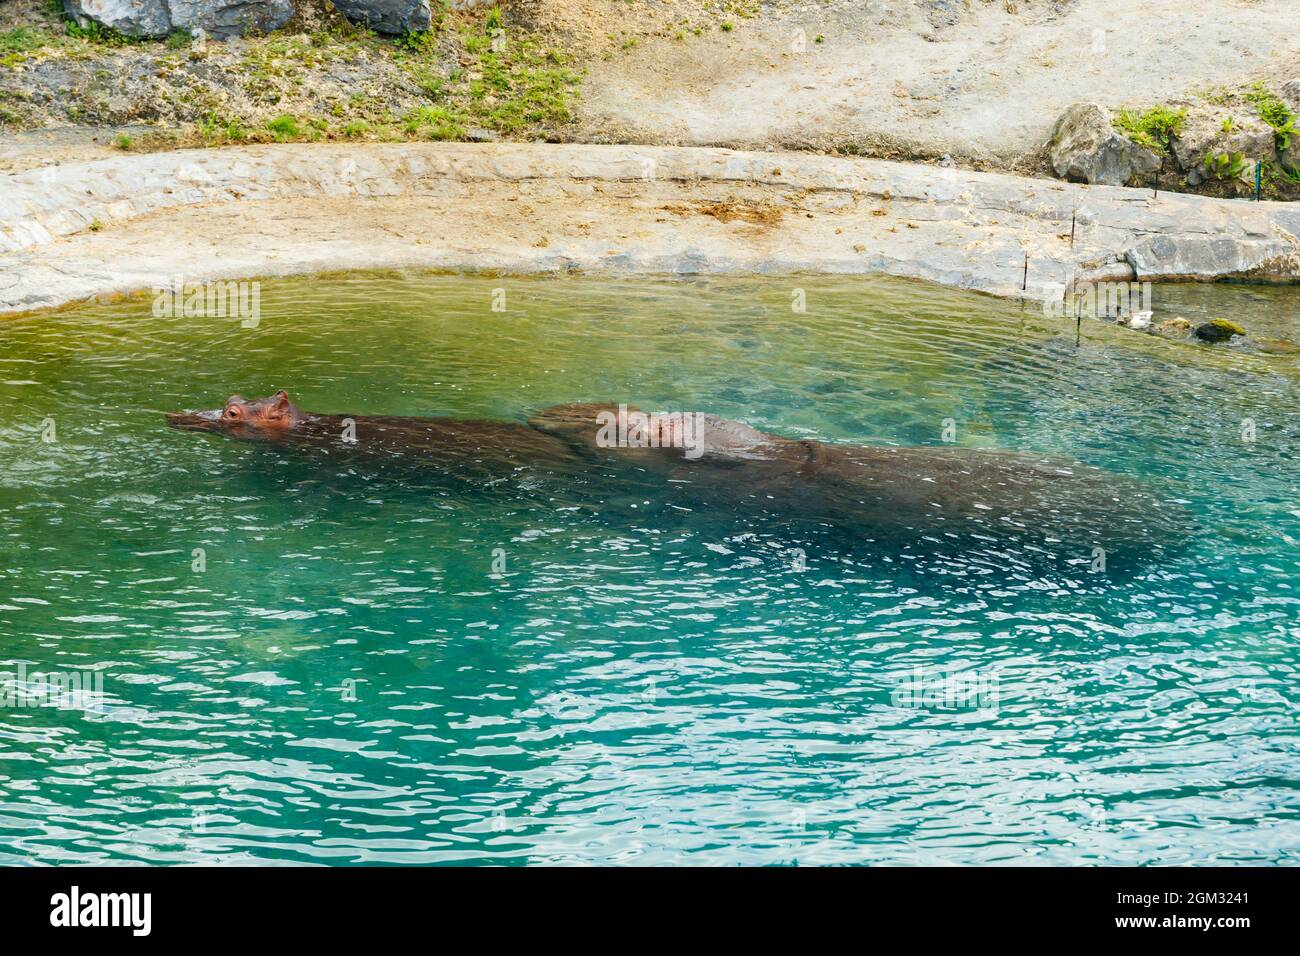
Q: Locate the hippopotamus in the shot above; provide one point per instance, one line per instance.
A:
(1008, 509)
(475, 451)
(1016, 508)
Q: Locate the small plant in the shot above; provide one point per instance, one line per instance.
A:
(179, 39)
(1227, 124)
(123, 141)
(819, 39)
(96, 225)
(1224, 166)
(494, 20)
(355, 129)
(1154, 128)
(1275, 113)
(94, 32)
(418, 41)
(284, 128)
(727, 26)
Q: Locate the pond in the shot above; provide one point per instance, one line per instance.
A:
(290, 667)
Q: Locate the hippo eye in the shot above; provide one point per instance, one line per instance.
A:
(232, 412)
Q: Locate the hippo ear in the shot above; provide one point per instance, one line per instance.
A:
(281, 399)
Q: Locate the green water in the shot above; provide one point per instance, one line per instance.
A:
(347, 678)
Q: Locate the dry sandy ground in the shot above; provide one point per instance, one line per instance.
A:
(892, 78)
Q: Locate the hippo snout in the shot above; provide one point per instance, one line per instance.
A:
(200, 421)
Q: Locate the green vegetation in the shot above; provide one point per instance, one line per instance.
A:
(471, 70)
(284, 128)
(1154, 128)
(435, 122)
(93, 32)
(1274, 112)
(1223, 166)
(19, 42)
(123, 141)
(419, 42)
(218, 130)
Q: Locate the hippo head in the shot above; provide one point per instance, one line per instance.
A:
(272, 417)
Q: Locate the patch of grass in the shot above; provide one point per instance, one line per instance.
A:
(429, 81)
(354, 129)
(97, 33)
(96, 225)
(435, 122)
(216, 129)
(727, 26)
(23, 40)
(1153, 128)
(179, 39)
(123, 141)
(1274, 112)
(16, 44)
(284, 128)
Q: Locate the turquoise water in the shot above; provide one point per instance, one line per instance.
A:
(350, 674)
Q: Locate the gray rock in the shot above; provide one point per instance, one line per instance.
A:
(1290, 94)
(135, 18)
(389, 16)
(229, 18)
(1218, 330)
(1191, 256)
(219, 19)
(1086, 147)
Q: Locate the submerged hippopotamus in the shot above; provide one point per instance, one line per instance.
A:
(469, 449)
(1006, 509)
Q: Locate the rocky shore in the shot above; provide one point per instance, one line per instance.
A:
(116, 226)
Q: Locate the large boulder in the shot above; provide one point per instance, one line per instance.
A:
(135, 18)
(389, 16)
(1086, 148)
(230, 18)
(158, 18)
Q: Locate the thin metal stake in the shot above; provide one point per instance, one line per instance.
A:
(1072, 216)
(1024, 283)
